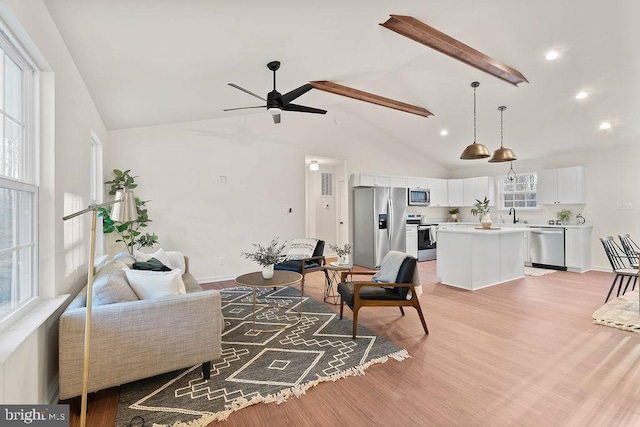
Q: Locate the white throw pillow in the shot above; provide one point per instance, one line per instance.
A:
(160, 255)
(155, 284)
(177, 260)
(301, 249)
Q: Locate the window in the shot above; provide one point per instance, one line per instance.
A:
(519, 193)
(18, 190)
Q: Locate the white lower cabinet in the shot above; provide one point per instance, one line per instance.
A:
(577, 243)
(412, 240)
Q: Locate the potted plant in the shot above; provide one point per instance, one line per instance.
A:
(342, 252)
(266, 256)
(453, 213)
(130, 233)
(564, 216)
(481, 209)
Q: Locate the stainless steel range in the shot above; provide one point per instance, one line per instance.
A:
(426, 237)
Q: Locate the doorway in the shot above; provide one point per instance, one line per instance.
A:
(327, 201)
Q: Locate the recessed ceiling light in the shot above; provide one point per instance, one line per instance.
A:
(444, 132)
(581, 95)
(605, 125)
(551, 55)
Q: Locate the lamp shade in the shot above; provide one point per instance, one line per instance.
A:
(502, 154)
(125, 210)
(475, 151)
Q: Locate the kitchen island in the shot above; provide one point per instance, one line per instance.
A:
(472, 258)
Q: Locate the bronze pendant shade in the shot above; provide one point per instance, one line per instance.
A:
(474, 151)
(502, 154)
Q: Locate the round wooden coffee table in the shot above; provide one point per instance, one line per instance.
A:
(280, 279)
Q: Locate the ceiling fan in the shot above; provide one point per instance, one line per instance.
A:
(276, 102)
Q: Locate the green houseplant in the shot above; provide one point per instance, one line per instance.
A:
(342, 252)
(564, 216)
(266, 256)
(481, 209)
(453, 213)
(130, 232)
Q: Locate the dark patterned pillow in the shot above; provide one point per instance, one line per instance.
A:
(153, 264)
(301, 249)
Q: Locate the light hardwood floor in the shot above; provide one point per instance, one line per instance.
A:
(522, 353)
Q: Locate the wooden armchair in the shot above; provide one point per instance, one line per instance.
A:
(305, 265)
(358, 294)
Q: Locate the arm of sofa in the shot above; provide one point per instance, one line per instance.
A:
(139, 339)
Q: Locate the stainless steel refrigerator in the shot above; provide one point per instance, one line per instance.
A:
(379, 223)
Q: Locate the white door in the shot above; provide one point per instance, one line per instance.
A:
(342, 211)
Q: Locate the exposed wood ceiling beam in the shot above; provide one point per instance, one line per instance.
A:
(350, 92)
(429, 36)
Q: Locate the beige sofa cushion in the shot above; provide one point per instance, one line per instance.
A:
(110, 285)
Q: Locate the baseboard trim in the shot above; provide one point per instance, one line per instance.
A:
(217, 278)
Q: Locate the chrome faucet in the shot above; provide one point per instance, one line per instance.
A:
(515, 220)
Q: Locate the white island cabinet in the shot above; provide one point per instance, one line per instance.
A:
(471, 258)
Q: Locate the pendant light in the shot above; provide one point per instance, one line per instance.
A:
(475, 150)
(511, 175)
(502, 154)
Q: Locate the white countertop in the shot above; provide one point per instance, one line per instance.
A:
(482, 231)
(518, 225)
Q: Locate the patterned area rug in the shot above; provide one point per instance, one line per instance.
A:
(535, 271)
(258, 367)
(621, 313)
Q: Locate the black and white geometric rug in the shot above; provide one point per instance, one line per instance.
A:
(258, 367)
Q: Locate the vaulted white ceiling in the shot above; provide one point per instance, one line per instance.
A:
(167, 61)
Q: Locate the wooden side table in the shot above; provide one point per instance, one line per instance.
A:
(280, 279)
(333, 273)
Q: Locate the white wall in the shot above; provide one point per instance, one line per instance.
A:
(612, 178)
(179, 167)
(68, 116)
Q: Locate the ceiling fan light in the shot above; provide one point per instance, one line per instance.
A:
(475, 151)
(274, 111)
(313, 166)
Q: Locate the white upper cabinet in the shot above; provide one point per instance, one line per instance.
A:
(456, 191)
(438, 192)
(398, 181)
(562, 186)
(477, 189)
(418, 182)
(370, 180)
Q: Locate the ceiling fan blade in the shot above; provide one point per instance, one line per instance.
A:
(244, 108)
(290, 96)
(246, 91)
(303, 109)
(276, 118)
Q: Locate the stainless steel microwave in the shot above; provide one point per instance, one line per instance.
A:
(419, 197)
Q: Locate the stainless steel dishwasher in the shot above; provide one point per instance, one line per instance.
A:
(546, 247)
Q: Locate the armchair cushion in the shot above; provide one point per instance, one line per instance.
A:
(296, 265)
(301, 249)
(376, 292)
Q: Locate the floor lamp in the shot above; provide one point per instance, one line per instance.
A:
(124, 210)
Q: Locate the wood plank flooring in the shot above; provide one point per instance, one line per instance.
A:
(523, 353)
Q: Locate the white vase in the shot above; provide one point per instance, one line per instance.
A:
(486, 221)
(267, 271)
